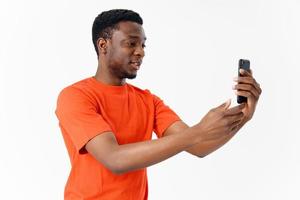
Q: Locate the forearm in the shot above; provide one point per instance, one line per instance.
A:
(139, 155)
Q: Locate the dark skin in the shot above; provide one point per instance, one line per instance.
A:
(120, 58)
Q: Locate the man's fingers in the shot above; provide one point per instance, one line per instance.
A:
(233, 118)
(251, 72)
(234, 110)
(235, 125)
(225, 105)
(248, 88)
(250, 81)
(245, 72)
(247, 77)
(244, 94)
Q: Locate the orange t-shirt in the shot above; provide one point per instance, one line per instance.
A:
(89, 108)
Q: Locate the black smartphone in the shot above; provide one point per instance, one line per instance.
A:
(243, 64)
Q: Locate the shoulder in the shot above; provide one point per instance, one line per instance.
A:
(74, 99)
(77, 90)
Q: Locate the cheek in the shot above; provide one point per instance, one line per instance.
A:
(118, 62)
(119, 56)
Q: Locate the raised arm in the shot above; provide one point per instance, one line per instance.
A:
(124, 158)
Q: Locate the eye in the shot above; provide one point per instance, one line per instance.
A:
(144, 46)
(131, 44)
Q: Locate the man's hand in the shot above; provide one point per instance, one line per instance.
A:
(213, 133)
(248, 87)
(219, 122)
(214, 129)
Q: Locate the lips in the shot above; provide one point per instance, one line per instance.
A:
(136, 64)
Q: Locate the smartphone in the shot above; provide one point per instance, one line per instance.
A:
(243, 64)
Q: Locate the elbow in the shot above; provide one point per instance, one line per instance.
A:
(111, 161)
(201, 155)
(117, 170)
(116, 166)
(119, 167)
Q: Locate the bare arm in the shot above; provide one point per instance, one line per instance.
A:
(124, 158)
(128, 157)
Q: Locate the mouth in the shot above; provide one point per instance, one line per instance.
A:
(135, 64)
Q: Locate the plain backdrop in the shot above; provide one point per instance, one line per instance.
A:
(192, 54)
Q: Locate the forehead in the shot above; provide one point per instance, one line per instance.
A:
(129, 29)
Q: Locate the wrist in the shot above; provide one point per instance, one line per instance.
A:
(195, 133)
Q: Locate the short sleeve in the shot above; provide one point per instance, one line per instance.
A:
(78, 116)
(164, 116)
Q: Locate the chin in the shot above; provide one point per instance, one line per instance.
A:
(131, 76)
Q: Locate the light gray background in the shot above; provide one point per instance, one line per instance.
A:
(191, 57)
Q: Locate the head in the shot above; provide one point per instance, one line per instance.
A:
(119, 41)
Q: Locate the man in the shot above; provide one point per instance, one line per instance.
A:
(107, 123)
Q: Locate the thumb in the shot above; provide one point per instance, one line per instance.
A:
(225, 106)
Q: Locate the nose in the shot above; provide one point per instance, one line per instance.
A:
(139, 51)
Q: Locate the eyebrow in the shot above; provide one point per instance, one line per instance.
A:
(134, 36)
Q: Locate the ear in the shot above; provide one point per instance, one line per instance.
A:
(102, 45)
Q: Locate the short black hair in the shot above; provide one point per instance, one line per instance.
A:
(107, 21)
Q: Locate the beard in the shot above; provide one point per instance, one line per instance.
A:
(122, 72)
(130, 76)
(127, 75)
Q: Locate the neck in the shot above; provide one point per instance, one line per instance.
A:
(103, 75)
